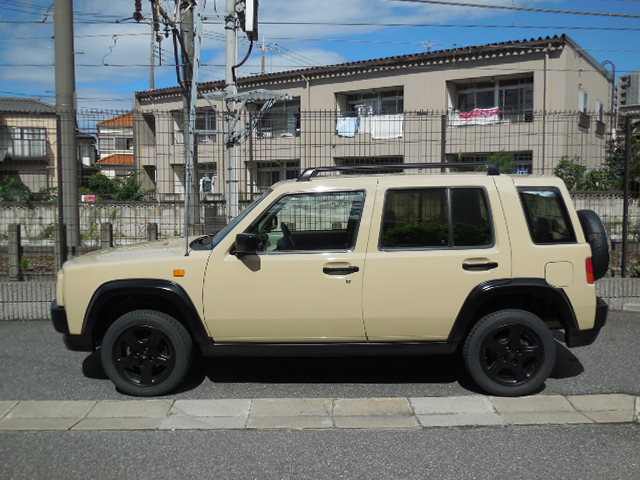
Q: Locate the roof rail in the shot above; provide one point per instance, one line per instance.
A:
(309, 173)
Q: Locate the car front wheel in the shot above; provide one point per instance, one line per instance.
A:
(510, 353)
(146, 353)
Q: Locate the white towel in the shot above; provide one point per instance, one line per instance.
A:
(386, 126)
(347, 126)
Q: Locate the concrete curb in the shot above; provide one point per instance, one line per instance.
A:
(318, 413)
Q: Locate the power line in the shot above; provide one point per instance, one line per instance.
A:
(358, 65)
(523, 9)
(445, 25)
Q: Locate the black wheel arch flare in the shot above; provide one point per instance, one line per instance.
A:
(114, 298)
(532, 294)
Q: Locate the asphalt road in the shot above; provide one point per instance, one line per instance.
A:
(536, 452)
(37, 366)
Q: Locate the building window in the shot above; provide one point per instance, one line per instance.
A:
(281, 120)
(377, 112)
(206, 120)
(268, 173)
(124, 143)
(23, 142)
(387, 101)
(583, 101)
(599, 111)
(355, 161)
(478, 103)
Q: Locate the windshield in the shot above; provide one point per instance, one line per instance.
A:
(223, 233)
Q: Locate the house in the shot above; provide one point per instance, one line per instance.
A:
(115, 143)
(28, 142)
(536, 100)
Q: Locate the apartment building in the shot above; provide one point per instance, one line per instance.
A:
(28, 142)
(538, 100)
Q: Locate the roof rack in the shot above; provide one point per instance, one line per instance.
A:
(309, 173)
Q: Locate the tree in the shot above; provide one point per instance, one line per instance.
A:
(118, 189)
(13, 190)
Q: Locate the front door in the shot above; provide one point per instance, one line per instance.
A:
(305, 282)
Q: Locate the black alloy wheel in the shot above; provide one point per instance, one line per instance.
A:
(146, 353)
(510, 353)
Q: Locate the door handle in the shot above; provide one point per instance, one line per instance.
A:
(476, 267)
(340, 270)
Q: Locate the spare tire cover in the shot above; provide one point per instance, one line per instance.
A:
(596, 235)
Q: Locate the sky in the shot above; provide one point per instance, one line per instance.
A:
(112, 51)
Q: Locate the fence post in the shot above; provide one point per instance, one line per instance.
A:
(15, 250)
(106, 235)
(443, 138)
(152, 232)
(628, 140)
(60, 245)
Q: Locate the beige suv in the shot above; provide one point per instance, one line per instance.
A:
(358, 262)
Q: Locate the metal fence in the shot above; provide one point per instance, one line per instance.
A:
(131, 167)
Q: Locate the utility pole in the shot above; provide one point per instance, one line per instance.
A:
(152, 59)
(189, 68)
(233, 167)
(66, 113)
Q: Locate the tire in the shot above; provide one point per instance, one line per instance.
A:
(510, 353)
(146, 353)
(596, 235)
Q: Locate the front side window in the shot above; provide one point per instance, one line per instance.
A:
(546, 215)
(310, 222)
(436, 218)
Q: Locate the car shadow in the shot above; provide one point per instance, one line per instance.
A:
(567, 364)
(428, 369)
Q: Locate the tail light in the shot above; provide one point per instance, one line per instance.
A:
(589, 265)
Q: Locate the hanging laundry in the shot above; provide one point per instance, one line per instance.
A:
(347, 126)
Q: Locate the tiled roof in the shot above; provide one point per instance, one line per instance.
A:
(25, 105)
(401, 61)
(124, 120)
(117, 159)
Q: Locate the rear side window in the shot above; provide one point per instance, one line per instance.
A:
(546, 215)
(436, 218)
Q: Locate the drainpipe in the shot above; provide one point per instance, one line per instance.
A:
(308, 87)
(544, 110)
(613, 95)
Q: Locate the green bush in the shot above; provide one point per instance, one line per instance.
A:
(13, 190)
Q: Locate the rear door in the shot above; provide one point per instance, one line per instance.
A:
(431, 246)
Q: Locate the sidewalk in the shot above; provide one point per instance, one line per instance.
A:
(317, 413)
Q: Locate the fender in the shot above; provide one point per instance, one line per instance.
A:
(167, 293)
(482, 296)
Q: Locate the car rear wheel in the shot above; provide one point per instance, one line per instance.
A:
(510, 353)
(146, 353)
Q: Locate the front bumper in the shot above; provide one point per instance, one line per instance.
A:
(77, 343)
(581, 338)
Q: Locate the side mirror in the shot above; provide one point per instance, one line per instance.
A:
(247, 244)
